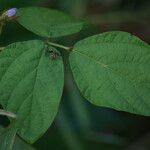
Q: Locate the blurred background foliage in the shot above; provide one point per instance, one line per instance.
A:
(80, 125)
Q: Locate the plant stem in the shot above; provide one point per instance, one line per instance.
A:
(1, 27)
(1, 18)
(58, 45)
(7, 113)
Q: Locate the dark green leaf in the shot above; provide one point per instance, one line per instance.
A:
(113, 70)
(48, 22)
(31, 84)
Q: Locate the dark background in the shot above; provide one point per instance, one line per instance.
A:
(80, 125)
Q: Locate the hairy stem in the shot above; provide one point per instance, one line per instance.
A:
(59, 45)
(7, 113)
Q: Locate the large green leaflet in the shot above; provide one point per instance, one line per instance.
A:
(48, 22)
(31, 84)
(113, 70)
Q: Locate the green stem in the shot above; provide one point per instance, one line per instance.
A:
(59, 45)
(1, 18)
(6, 113)
(1, 27)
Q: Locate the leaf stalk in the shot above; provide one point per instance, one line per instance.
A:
(59, 46)
(7, 113)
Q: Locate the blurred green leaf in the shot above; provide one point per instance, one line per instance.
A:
(31, 86)
(117, 17)
(67, 132)
(47, 22)
(78, 106)
(5, 4)
(7, 137)
(18, 143)
(112, 70)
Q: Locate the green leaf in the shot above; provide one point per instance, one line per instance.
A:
(48, 22)
(7, 137)
(31, 84)
(113, 70)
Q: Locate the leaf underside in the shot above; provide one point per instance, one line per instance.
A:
(31, 85)
(113, 70)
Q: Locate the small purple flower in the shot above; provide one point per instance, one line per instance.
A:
(11, 12)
